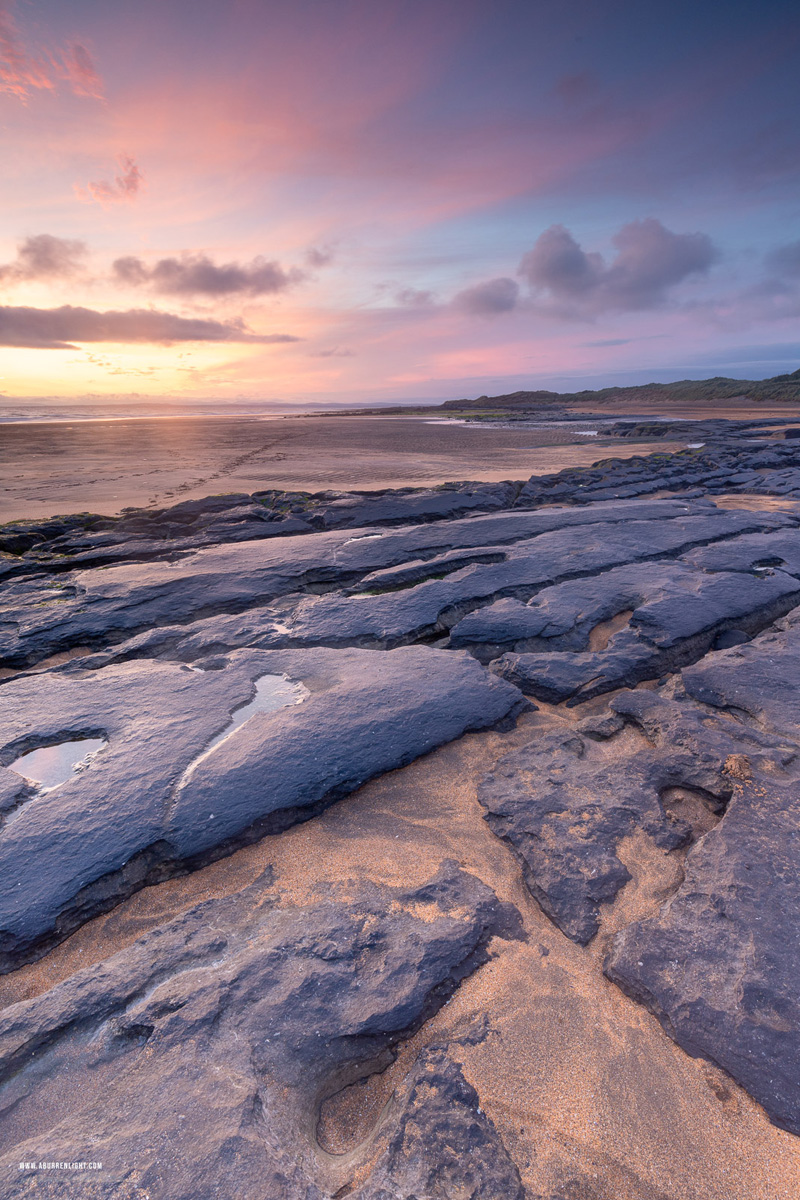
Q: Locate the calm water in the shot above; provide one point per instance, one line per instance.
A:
(50, 766)
(272, 692)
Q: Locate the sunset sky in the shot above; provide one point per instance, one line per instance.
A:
(346, 201)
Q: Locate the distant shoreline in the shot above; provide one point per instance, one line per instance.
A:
(666, 399)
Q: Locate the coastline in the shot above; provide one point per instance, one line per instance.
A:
(594, 593)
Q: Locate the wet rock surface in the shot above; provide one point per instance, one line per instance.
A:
(713, 765)
(305, 578)
(156, 799)
(719, 964)
(256, 1013)
(674, 614)
(214, 1053)
(566, 802)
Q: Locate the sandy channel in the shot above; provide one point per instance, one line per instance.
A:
(592, 1098)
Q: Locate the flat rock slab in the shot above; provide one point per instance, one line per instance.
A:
(667, 604)
(719, 965)
(759, 552)
(154, 798)
(574, 677)
(674, 613)
(40, 617)
(255, 1015)
(432, 606)
(398, 506)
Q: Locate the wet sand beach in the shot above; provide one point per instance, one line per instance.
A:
(53, 467)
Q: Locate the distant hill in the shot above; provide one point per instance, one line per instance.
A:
(781, 389)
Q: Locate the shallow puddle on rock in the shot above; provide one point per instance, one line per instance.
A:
(50, 766)
(272, 692)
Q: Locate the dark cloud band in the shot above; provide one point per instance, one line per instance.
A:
(61, 328)
(198, 275)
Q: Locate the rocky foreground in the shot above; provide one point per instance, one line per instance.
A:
(234, 967)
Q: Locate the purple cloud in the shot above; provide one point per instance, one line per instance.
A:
(61, 328)
(488, 299)
(650, 260)
(319, 256)
(45, 257)
(197, 275)
(414, 298)
(785, 261)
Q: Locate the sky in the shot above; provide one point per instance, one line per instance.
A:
(366, 201)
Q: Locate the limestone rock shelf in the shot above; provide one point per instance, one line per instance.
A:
(621, 670)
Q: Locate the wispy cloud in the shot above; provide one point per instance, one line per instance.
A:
(23, 72)
(607, 342)
(198, 275)
(45, 257)
(81, 72)
(125, 186)
(20, 73)
(60, 328)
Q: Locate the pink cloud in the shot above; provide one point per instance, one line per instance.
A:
(22, 72)
(81, 72)
(126, 185)
(19, 72)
